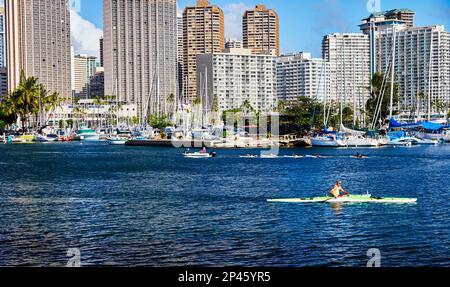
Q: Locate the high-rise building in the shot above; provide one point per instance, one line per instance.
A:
(3, 71)
(101, 52)
(140, 55)
(422, 66)
(232, 43)
(84, 69)
(3, 82)
(97, 83)
(380, 21)
(300, 75)
(180, 54)
(348, 56)
(229, 79)
(2, 37)
(204, 33)
(261, 32)
(38, 42)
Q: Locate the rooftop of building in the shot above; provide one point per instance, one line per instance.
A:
(240, 52)
(391, 12)
(347, 35)
(84, 56)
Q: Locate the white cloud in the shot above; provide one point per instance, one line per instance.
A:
(85, 35)
(233, 13)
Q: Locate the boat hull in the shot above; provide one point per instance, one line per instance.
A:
(346, 199)
(318, 142)
(197, 156)
(362, 142)
(117, 142)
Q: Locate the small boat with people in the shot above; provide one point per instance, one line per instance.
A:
(359, 156)
(199, 155)
(347, 199)
(339, 195)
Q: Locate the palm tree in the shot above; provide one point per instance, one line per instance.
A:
(171, 100)
(98, 101)
(48, 102)
(22, 102)
(247, 107)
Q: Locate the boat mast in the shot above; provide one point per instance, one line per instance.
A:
(354, 93)
(391, 105)
(430, 78)
(343, 97)
(206, 95)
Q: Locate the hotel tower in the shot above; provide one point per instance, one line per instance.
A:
(261, 32)
(38, 42)
(140, 54)
(204, 33)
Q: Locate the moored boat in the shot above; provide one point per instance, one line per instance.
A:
(85, 134)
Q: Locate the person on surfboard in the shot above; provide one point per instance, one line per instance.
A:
(336, 191)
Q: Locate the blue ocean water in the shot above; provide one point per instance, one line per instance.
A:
(129, 206)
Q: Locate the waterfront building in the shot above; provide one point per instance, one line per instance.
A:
(348, 56)
(38, 42)
(84, 69)
(234, 77)
(300, 75)
(203, 33)
(261, 31)
(233, 43)
(97, 83)
(140, 53)
(92, 114)
(422, 66)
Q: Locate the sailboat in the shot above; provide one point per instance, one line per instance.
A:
(359, 138)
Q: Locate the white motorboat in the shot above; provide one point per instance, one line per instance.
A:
(85, 134)
(46, 138)
(402, 141)
(117, 140)
(202, 154)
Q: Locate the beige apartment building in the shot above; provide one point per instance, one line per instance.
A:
(38, 37)
(203, 33)
(140, 54)
(83, 70)
(261, 31)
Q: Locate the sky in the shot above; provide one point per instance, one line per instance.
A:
(303, 23)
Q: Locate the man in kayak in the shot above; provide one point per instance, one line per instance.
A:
(336, 191)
